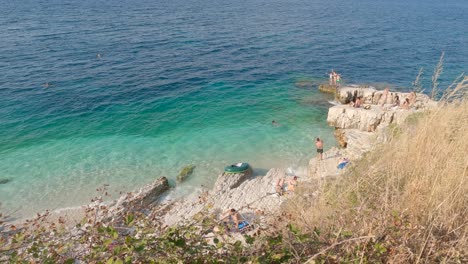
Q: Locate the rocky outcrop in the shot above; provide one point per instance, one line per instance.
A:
(347, 117)
(229, 181)
(340, 137)
(328, 88)
(358, 142)
(374, 97)
(239, 191)
(378, 109)
(145, 197)
(358, 130)
(346, 94)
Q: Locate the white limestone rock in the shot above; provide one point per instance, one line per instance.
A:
(347, 117)
(359, 142)
(345, 94)
(244, 193)
(228, 181)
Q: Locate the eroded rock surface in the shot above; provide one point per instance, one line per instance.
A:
(143, 198)
(378, 111)
(359, 130)
(252, 192)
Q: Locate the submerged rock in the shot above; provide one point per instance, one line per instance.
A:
(328, 88)
(5, 181)
(304, 84)
(185, 172)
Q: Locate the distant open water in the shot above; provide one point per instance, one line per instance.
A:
(191, 82)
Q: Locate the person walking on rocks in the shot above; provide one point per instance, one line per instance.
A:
(319, 145)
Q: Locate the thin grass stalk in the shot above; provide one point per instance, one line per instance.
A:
(436, 75)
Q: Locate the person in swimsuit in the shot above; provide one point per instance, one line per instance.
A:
(343, 162)
(292, 183)
(385, 96)
(334, 77)
(279, 188)
(319, 145)
(232, 215)
(406, 104)
(358, 102)
(412, 98)
(396, 102)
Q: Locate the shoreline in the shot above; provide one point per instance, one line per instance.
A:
(358, 141)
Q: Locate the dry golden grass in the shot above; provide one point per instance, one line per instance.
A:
(408, 200)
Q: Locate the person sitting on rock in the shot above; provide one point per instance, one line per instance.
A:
(396, 102)
(231, 215)
(406, 104)
(412, 98)
(385, 96)
(292, 183)
(279, 188)
(358, 102)
(234, 216)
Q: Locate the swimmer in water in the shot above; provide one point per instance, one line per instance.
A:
(46, 85)
(274, 123)
(98, 56)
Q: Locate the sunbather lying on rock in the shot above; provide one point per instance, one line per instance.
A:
(343, 162)
(232, 215)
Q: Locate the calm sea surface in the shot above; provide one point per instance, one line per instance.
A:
(191, 82)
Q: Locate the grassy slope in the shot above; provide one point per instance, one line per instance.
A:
(405, 202)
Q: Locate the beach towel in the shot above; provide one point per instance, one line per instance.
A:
(342, 165)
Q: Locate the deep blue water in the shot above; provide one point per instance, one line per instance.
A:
(197, 82)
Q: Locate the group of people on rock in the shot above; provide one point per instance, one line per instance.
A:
(282, 188)
(407, 103)
(334, 78)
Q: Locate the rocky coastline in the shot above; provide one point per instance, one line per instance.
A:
(358, 130)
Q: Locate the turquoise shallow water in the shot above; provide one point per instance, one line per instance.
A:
(184, 82)
(134, 144)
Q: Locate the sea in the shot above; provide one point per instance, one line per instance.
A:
(100, 93)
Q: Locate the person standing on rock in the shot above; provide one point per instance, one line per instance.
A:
(319, 145)
(338, 79)
(385, 96)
